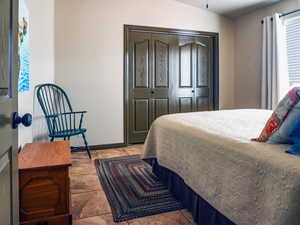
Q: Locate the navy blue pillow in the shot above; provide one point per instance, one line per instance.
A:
(295, 139)
(294, 149)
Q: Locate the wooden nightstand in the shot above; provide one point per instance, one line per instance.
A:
(44, 184)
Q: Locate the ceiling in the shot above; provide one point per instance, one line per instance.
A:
(231, 8)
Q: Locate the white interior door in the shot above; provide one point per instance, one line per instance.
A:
(8, 104)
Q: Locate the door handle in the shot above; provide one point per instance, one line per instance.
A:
(26, 120)
(193, 91)
(152, 92)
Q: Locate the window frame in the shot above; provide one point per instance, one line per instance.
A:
(286, 20)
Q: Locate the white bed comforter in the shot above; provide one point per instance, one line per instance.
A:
(250, 183)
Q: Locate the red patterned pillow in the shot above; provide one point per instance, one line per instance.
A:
(279, 115)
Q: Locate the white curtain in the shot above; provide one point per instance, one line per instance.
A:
(275, 81)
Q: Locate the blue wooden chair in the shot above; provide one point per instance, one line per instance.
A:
(62, 121)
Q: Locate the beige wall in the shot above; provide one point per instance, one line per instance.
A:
(248, 53)
(89, 53)
(41, 22)
(86, 55)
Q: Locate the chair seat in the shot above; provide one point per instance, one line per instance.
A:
(66, 133)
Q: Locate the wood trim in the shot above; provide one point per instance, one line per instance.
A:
(99, 147)
(125, 86)
(216, 96)
(168, 30)
(148, 29)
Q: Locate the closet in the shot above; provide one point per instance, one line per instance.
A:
(167, 72)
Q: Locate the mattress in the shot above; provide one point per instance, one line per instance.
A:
(249, 182)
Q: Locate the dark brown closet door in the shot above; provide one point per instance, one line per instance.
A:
(139, 85)
(192, 79)
(150, 87)
(161, 92)
(203, 75)
(167, 74)
(184, 77)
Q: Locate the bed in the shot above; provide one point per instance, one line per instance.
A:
(223, 178)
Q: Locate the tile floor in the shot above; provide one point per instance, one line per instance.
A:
(89, 204)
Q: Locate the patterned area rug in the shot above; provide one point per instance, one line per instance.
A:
(132, 189)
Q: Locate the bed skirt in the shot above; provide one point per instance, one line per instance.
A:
(203, 213)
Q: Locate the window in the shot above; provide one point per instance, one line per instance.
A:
(293, 49)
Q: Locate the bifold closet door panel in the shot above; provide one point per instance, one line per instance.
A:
(203, 74)
(162, 75)
(183, 74)
(192, 74)
(140, 55)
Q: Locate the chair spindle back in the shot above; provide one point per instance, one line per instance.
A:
(54, 102)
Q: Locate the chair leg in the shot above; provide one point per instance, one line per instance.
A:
(52, 139)
(86, 145)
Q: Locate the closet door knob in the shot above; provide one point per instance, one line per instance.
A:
(193, 91)
(152, 92)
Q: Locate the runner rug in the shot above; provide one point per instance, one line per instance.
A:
(132, 189)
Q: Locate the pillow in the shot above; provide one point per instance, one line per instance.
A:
(287, 132)
(295, 138)
(294, 149)
(281, 123)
